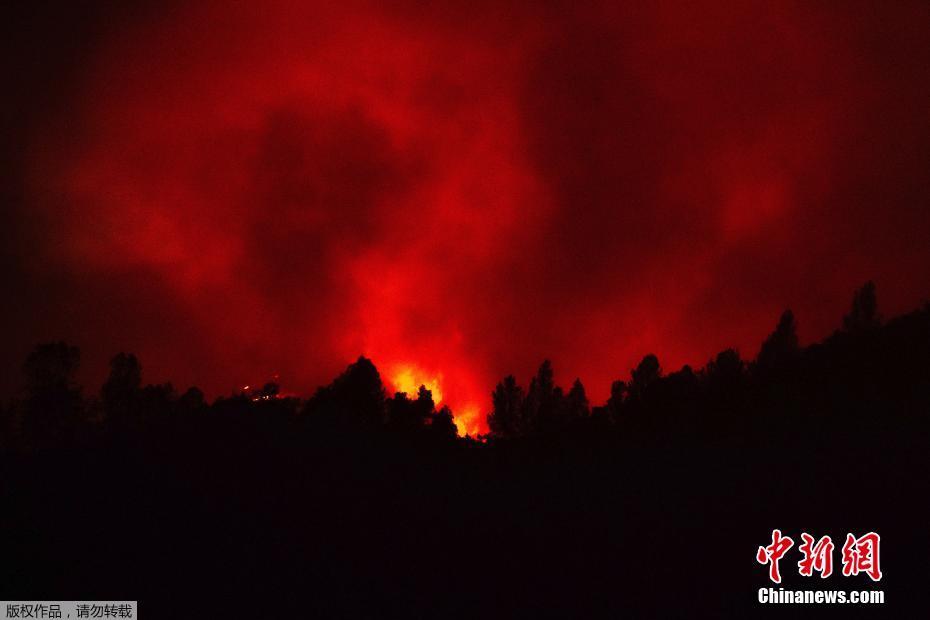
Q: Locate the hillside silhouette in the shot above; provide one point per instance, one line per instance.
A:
(359, 503)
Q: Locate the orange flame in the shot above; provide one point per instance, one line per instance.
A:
(408, 378)
(468, 420)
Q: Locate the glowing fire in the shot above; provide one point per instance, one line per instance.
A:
(408, 378)
(467, 420)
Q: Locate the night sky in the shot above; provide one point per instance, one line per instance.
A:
(234, 191)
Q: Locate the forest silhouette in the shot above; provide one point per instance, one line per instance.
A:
(357, 503)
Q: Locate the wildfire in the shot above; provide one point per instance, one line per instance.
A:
(408, 378)
(468, 420)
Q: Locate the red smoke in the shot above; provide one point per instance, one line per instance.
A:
(459, 192)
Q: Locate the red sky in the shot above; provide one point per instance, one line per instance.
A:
(237, 190)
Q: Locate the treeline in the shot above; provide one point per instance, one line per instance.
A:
(357, 504)
(53, 410)
(863, 358)
(783, 377)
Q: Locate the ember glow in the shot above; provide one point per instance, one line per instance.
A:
(460, 190)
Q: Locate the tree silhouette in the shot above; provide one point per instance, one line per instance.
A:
(53, 407)
(192, 401)
(425, 407)
(157, 399)
(644, 375)
(408, 415)
(542, 402)
(727, 368)
(402, 413)
(863, 314)
(121, 391)
(356, 397)
(576, 402)
(505, 419)
(781, 346)
(618, 390)
(443, 424)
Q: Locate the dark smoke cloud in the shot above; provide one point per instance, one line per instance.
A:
(458, 191)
